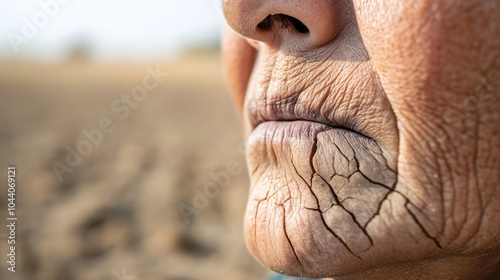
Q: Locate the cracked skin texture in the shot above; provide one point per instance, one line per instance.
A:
(373, 152)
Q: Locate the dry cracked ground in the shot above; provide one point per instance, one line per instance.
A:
(116, 214)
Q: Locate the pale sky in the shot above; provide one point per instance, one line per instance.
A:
(114, 29)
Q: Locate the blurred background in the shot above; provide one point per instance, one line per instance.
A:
(123, 171)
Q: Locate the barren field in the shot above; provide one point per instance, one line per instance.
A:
(100, 178)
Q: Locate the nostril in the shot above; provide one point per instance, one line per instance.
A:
(266, 23)
(302, 28)
(284, 21)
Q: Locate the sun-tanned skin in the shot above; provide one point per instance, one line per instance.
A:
(374, 135)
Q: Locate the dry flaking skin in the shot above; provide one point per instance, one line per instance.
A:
(374, 137)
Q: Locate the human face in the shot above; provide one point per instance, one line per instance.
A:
(373, 135)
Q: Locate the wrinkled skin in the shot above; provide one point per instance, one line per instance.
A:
(374, 135)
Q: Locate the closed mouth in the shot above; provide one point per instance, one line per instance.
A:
(288, 109)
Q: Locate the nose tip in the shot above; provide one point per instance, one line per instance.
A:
(293, 23)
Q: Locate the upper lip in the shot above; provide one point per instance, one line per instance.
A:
(288, 108)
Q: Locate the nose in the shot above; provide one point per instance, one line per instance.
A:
(303, 24)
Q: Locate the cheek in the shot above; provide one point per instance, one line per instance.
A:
(435, 59)
(239, 57)
(429, 54)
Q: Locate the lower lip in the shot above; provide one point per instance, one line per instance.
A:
(292, 163)
(276, 143)
(278, 151)
(289, 132)
(302, 166)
